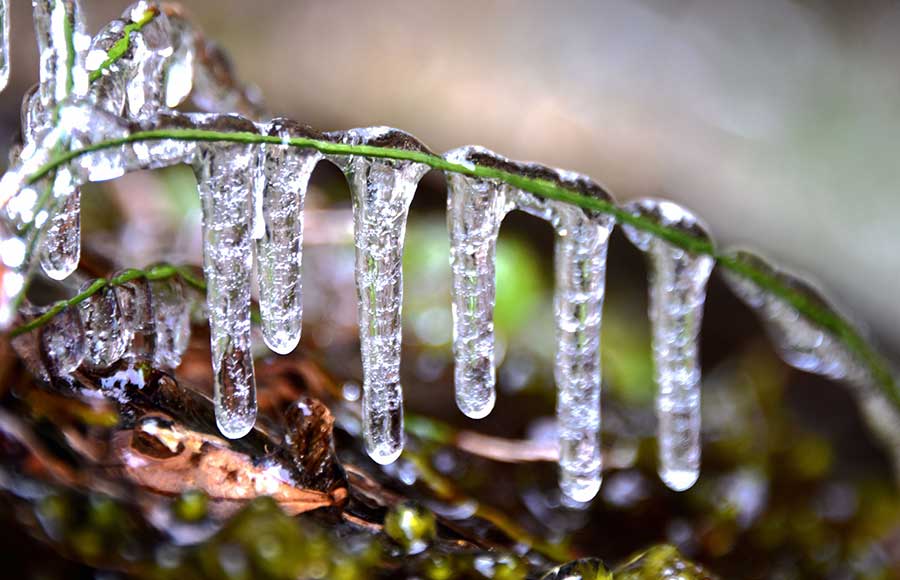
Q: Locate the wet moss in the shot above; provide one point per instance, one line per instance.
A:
(411, 527)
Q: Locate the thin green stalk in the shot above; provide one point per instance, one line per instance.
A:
(121, 46)
(697, 245)
(160, 272)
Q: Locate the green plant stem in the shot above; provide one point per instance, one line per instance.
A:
(118, 50)
(160, 272)
(824, 318)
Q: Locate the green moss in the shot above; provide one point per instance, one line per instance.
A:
(191, 506)
(583, 569)
(411, 526)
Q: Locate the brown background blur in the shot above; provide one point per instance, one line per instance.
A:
(776, 121)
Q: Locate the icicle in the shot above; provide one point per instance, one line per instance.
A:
(151, 47)
(62, 342)
(677, 293)
(108, 91)
(382, 191)
(475, 208)
(179, 72)
(62, 44)
(225, 178)
(580, 263)
(171, 322)
(106, 337)
(136, 309)
(4, 43)
(280, 251)
(61, 250)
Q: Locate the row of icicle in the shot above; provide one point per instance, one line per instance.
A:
(252, 201)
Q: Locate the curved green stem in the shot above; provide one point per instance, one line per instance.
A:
(118, 50)
(828, 320)
(160, 272)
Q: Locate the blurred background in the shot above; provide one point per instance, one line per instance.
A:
(775, 120)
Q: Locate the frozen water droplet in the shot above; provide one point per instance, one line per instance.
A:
(801, 342)
(136, 310)
(62, 342)
(165, 152)
(4, 43)
(225, 178)
(105, 334)
(171, 322)
(61, 250)
(677, 292)
(150, 49)
(475, 209)
(382, 190)
(280, 250)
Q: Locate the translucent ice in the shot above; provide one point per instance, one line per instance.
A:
(475, 209)
(226, 174)
(280, 250)
(382, 190)
(171, 322)
(4, 43)
(106, 335)
(677, 292)
(801, 342)
(62, 342)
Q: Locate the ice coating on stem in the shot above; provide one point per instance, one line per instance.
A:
(171, 321)
(475, 209)
(801, 343)
(382, 190)
(62, 342)
(149, 51)
(677, 292)
(225, 178)
(105, 334)
(580, 251)
(4, 43)
(108, 90)
(279, 252)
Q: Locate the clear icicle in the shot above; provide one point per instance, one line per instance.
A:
(4, 43)
(136, 308)
(105, 333)
(382, 191)
(580, 270)
(108, 91)
(171, 322)
(150, 49)
(61, 73)
(62, 45)
(179, 71)
(62, 342)
(225, 178)
(61, 250)
(280, 250)
(677, 293)
(475, 208)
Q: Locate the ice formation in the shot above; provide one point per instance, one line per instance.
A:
(475, 209)
(253, 196)
(382, 190)
(677, 293)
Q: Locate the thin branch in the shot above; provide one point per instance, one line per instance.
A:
(121, 46)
